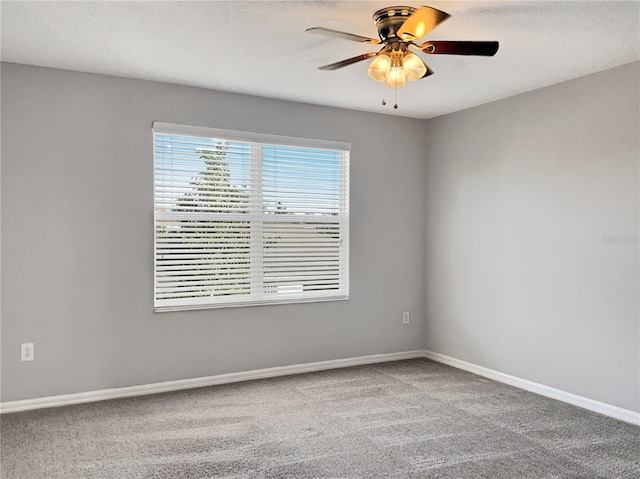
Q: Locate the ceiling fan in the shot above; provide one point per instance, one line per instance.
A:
(399, 28)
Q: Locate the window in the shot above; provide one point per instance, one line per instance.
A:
(244, 218)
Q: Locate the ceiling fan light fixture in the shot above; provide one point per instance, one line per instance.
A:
(379, 67)
(413, 67)
(398, 30)
(396, 77)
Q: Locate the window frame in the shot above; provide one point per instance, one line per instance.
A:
(263, 139)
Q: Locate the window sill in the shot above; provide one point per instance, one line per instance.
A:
(165, 309)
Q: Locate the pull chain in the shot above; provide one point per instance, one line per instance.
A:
(395, 96)
(395, 105)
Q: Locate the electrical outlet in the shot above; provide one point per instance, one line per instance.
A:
(26, 352)
(405, 318)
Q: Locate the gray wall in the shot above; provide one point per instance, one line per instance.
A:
(531, 263)
(77, 237)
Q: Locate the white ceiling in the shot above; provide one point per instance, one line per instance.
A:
(260, 47)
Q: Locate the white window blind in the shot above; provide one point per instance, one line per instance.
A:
(243, 218)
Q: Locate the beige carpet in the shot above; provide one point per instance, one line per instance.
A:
(405, 420)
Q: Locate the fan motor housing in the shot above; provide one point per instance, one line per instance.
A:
(388, 20)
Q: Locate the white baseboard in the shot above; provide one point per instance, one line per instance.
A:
(580, 401)
(115, 393)
(103, 394)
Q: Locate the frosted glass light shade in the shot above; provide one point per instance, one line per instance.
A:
(379, 67)
(413, 67)
(396, 78)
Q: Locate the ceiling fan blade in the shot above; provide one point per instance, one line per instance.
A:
(421, 22)
(485, 49)
(327, 32)
(348, 61)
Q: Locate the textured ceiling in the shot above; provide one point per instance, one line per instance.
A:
(260, 47)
